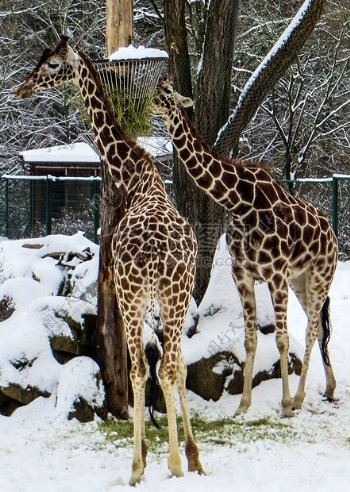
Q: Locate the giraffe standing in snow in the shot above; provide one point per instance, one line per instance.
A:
(153, 248)
(273, 237)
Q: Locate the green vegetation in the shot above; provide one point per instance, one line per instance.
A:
(225, 432)
(132, 114)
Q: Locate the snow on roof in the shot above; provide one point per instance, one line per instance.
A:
(82, 152)
(77, 152)
(132, 53)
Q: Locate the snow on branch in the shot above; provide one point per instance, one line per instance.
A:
(276, 62)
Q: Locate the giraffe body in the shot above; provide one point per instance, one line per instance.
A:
(272, 236)
(153, 249)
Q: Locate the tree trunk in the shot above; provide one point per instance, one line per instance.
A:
(212, 110)
(119, 24)
(111, 349)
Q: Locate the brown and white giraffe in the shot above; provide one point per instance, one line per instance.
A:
(273, 237)
(153, 249)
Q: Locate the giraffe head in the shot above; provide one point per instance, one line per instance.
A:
(166, 99)
(54, 68)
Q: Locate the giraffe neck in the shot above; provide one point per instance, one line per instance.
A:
(133, 173)
(231, 183)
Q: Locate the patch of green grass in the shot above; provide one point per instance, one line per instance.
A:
(133, 117)
(221, 432)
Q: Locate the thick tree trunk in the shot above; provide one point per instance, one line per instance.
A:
(212, 110)
(111, 349)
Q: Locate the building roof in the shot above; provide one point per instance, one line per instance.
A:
(83, 153)
(79, 152)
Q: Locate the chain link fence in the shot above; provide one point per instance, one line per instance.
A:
(37, 206)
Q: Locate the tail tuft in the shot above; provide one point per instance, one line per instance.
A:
(153, 355)
(326, 325)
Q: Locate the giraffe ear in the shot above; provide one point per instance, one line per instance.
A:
(185, 102)
(63, 44)
(64, 39)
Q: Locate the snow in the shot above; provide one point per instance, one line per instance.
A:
(132, 53)
(157, 146)
(69, 386)
(43, 452)
(77, 152)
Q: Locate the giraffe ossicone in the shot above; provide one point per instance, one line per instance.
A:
(272, 236)
(153, 248)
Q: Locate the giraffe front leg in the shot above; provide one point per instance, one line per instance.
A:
(245, 287)
(279, 295)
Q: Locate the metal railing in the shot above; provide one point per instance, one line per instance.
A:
(41, 205)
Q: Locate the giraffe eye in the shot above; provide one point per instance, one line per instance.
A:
(53, 65)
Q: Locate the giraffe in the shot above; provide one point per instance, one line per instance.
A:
(272, 236)
(153, 249)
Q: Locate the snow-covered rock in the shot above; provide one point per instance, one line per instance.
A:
(41, 331)
(84, 281)
(80, 391)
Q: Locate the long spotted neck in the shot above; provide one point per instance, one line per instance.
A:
(133, 174)
(231, 183)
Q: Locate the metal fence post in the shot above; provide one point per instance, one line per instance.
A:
(335, 203)
(6, 207)
(95, 213)
(48, 207)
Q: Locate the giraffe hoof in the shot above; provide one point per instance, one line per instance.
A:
(241, 410)
(175, 468)
(287, 413)
(298, 403)
(287, 409)
(134, 480)
(136, 475)
(328, 397)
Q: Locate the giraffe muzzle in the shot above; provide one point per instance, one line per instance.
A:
(25, 90)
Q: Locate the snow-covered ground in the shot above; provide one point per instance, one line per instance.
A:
(41, 451)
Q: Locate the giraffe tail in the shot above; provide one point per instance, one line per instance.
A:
(326, 326)
(151, 350)
(153, 355)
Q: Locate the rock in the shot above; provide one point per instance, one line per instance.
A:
(80, 391)
(23, 395)
(210, 376)
(71, 327)
(207, 376)
(84, 281)
(7, 307)
(17, 293)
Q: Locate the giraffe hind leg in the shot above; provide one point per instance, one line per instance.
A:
(317, 291)
(323, 339)
(298, 284)
(191, 448)
(133, 310)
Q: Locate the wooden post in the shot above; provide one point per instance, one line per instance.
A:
(119, 24)
(111, 350)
